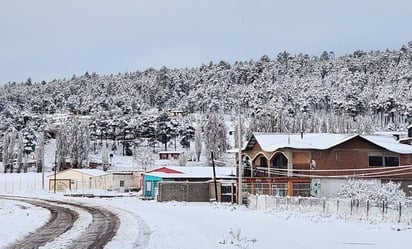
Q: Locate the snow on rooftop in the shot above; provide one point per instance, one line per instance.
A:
(196, 172)
(322, 141)
(389, 143)
(91, 172)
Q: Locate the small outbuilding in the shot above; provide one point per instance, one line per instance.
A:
(73, 179)
(170, 155)
(183, 175)
(118, 180)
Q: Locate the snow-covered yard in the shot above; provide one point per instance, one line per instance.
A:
(211, 225)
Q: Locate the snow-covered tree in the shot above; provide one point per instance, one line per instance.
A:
(105, 157)
(214, 134)
(8, 149)
(198, 142)
(182, 160)
(62, 146)
(143, 157)
(20, 151)
(79, 142)
(372, 190)
(40, 151)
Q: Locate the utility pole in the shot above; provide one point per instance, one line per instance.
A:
(42, 134)
(42, 159)
(55, 173)
(214, 176)
(240, 165)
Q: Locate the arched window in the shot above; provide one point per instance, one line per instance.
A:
(280, 162)
(263, 162)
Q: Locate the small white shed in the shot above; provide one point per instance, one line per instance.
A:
(73, 179)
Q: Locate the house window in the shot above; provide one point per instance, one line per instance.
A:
(121, 183)
(391, 161)
(375, 161)
(301, 189)
(280, 189)
(280, 164)
(380, 160)
(263, 162)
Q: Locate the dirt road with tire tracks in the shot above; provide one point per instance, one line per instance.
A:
(103, 226)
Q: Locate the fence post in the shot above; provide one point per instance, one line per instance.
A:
(287, 202)
(367, 209)
(324, 204)
(337, 206)
(351, 206)
(400, 211)
(257, 201)
(383, 209)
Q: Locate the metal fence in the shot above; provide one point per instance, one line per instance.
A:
(14, 183)
(344, 208)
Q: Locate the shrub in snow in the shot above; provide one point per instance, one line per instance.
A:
(234, 237)
(372, 190)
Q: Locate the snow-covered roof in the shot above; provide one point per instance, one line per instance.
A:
(196, 172)
(389, 143)
(91, 172)
(322, 141)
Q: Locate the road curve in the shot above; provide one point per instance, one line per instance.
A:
(101, 230)
(61, 220)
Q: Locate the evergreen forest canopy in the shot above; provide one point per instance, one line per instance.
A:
(358, 93)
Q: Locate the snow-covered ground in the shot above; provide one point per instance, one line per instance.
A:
(173, 225)
(154, 225)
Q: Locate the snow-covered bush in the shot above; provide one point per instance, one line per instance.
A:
(234, 237)
(372, 190)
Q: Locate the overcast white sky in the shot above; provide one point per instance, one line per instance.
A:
(47, 39)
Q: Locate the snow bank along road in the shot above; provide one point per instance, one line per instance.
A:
(101, 229)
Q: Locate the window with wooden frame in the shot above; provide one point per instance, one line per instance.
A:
(378, 160)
